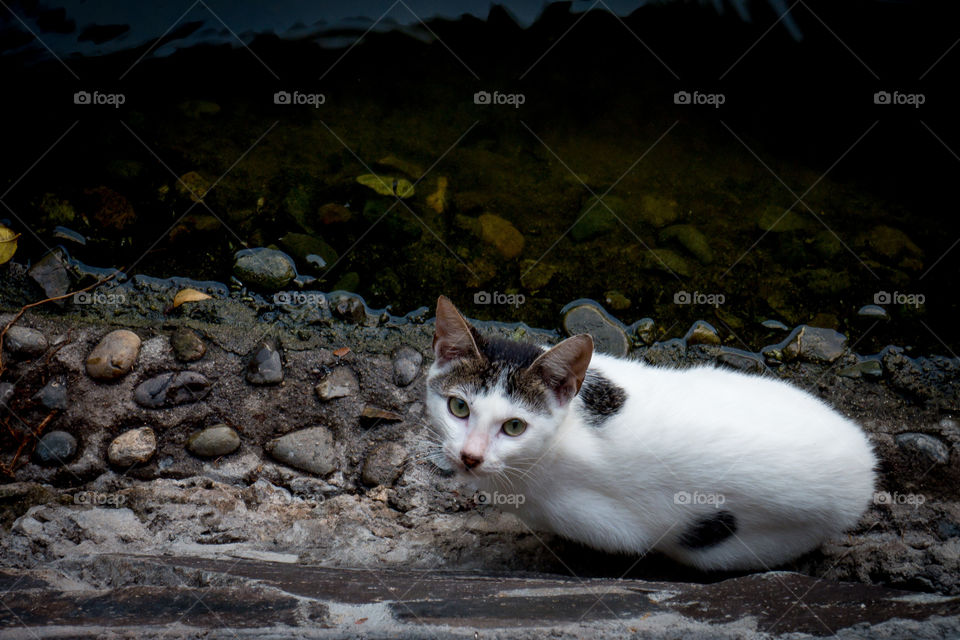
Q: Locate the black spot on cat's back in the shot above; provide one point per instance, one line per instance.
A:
(710, 531)
(601, 398)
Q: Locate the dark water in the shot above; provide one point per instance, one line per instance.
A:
(799, 198)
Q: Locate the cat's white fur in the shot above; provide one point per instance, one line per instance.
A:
(685, 444)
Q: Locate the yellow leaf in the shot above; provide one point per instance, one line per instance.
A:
(387, 185)
(8, 244)
(438, 199)
(188, 295)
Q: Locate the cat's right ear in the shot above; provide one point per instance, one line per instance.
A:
(452, 338)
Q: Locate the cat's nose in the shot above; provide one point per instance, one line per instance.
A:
(470, 461)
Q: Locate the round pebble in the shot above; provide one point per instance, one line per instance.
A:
(55, 447)
(114, 356)
(24, 342)
(266, 365)
(262, 268)
(132, 447)
(309, 450)
(924, 445)
(212, 442)
(406, 365)
(383, 465)
(774, 325)
(187, 345)
(171, 389)
(609, 335)
(702, 333)
(53, 395)
(644, 330)
(339, 383)
(873, 312)
(814, 344)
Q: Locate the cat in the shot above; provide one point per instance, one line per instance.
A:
(714, 468)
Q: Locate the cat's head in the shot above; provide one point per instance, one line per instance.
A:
(497, 404)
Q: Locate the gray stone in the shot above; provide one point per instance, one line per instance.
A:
(595, 218)
(50, 273)
(669, 352)
(406, 365)
(774, 325)
(114, 356)
(384, 464)
(25, 342)
(644, 329)
(349, 308)
(814, 344)
(135, 446)
(215, 441)
(702, 333)
(926, 446)
(585, 316)
(171, 389)
(310, 450)
(187, 345)
(53, 395)
(55, 447)
(690, 239)
(266, 269)
(873, 312)
(869, 368)
(740, 360)
(6, 394)
(265, 365)
(339, 383)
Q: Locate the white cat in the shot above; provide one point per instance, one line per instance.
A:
(715, 468)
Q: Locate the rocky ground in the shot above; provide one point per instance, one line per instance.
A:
(235, 467)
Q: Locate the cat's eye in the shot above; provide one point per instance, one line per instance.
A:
(514, 427)
(458, 407)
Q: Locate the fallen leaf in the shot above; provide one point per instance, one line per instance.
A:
(342, 351)
(387, 185)
(188, 295)
(8, 244)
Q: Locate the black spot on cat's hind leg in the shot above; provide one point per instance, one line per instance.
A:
(709, 531)
(601, 398)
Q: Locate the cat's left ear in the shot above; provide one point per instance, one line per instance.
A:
(452, 337)
(563, 367)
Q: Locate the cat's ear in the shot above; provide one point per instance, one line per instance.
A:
(563, 367)
(452, 338)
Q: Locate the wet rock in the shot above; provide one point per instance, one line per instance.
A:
(110, 209)
(406, 365)
(310, 450)
(891, 243)
(215, 441)
(827, 245)
(658, 211)
(25, 342)
(926, 446)
(350, 281)
(51, 274)
(873, 312)
(617, 301)
(265, 365)
(691, 239)
(659, 259)
(193, 185)
(187, 345)
(114, 356)
(669, 352)
(334, 214)
(266, 269)
(302, 246)
(500, 233)
(69, 235)
(702, 333)
(383, 465)
(740, 360)
(824, 282)
(609, 334)
(774, 325)
(865, 368)
(171, 389)
(55, 447)
(372, 415)
(536, 275)
(350, 309)
(135, 446)
(814, 344)
(6, 394)
(392, 221)
(778, 220)
(645, 330)
(53, 395)
(595, 218)
(339, 383)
